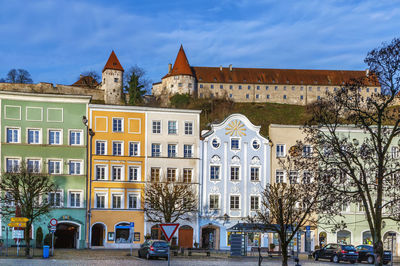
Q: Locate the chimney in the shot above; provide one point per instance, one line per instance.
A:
(367, 72)
(230, 67)
(220, 68)
(169, 68)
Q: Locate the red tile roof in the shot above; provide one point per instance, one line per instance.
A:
(275, 76)
(86, 81)
(181, 65)
(113, 63)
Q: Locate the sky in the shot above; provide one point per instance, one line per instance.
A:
(56, 40)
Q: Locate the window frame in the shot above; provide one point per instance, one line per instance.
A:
(251, 202)
(122, 147)
(122, 124)
(185, 153)
(191, 128)
(104, 142)
(105, 166)
(16, 167)
(132, 149)
(81, 170)
(153, 153)
(81, 140)
(282, 180)
(217, 201)
(258, 173)
(75, 191)
(135, 194)
(139, 173)
(238, 202)
(238, 146)
(119, 194)
(39, 137)
(61, 199)
(237, 173)
(281, 153)
(219, 172)
(28, 159)
(102, 194)
(176, 127)
(172, 154)
(17, 129)
(184, 171)
(122, 171)
(152, 126)
(55, 130)
(55, 160)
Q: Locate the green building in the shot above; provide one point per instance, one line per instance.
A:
(47, 133)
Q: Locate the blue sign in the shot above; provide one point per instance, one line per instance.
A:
(132, 224)
(308, 228)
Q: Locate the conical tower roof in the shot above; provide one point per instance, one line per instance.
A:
(181, 65)
(113, 63)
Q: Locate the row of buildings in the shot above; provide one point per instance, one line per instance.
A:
(102, 154)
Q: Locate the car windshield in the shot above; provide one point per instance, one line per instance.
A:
(349, 248)
(160, 245)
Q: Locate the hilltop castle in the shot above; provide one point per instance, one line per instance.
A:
(260, 85)
(109, 91)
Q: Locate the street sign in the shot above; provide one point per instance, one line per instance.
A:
(169, 230)
(18, 234)
(132, 224)
(308, 228)
(15, 224)
(19, 219)
(53, 222)
(52, 229)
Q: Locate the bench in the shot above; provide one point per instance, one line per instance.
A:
(198, 250)
(255, 250)
(274, 253)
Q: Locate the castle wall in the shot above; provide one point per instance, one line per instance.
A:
(112, 86)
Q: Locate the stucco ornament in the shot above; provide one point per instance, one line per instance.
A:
(235, 128)
(215, 159)
(214, 189)
(255, 160)
(235, 160)
(235, 189)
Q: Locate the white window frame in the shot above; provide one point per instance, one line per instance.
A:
(56, 160)
(138, 200)
(183, 174)
(105, 146)
(122, 124)
(395, 152)
(131, 151)
(173, 177)
(173, 155)
(139, 173)
(259, 173)
(121, 194)
(61, 198)
(101, 193)
(230, 173)
(160, 148)
(192, 128)
(61, 136)
(258, 202)
(122, 173)
(309, 152)
(105, 171)
(40, 135)
(81, 170)
(76, 191)
(191, 149)
(230, 144)
(218, 201)
(230, 198)
(176, 127)
(276, 175)
(122, 147)
(219, 172)
(152, 127)
(34, 159)
(80, 131)
(280, 154)
(18, 130)
(14, 159)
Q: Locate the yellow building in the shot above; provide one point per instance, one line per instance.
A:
(117, 175)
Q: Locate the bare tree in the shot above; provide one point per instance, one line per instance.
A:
(169, 201)
(360, 161)
(27, 190)
(18, 76)
(286, 208)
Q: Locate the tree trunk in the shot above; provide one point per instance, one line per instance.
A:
(284, 255)
(378, 250)
(27, 239)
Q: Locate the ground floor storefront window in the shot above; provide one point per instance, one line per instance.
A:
(344, 237)
(122, 233)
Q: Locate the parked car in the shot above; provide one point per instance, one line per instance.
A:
(337, 253)
(366, 253)
(154, 249)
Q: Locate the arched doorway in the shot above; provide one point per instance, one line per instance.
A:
(344, 237)
(98, 233)
(66, 235)
(185, 236)
(209, 237)
(367, 238)
(387, 242)
(322, 239)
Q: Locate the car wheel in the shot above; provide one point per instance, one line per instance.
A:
(148, 256)
(315, 256)
(335, 259)
(370, 259)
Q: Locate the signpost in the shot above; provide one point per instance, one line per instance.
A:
(169, 231)
(52, 228)
(131, 234)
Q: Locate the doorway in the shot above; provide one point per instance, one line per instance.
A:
(210, 237)
(98, 233)
(185, 236)
(66, 236)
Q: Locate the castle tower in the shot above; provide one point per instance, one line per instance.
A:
(112, 80)
(180, 78)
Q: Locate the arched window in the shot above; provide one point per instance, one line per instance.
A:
(367, 238)
(122, 233)
(344, 237)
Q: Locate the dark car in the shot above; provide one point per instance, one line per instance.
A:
(337, 253)
(366, 253)
(154, 249)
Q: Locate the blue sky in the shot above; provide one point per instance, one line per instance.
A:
(57, 40)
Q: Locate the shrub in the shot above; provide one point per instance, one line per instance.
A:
(180, 100)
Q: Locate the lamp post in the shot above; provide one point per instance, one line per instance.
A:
(90, 133)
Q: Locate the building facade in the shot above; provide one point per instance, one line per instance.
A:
(47, 134)
(235, 170)
(254, 85)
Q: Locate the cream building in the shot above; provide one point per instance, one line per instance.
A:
(260, 85)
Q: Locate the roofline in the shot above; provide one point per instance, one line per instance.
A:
(141, 108)
(301, 69)
(340, 127)
(86, 97)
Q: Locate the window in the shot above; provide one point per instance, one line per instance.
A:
(345, 207)
(249, 87)
(247, 96)
(267, 96)
(214, 202)
(33, 136)
(257, 96)
(179, 84)
(240, 87)
(188, 128)
(306, 177)
(116, 173)
(133, 201)
(75, 167)
(118, 124)
(235, 203)
(254, 203)
(55, 199)
(230, 95)
(256, 144)
(234, 173)
(155, 174)
(254, 173)
(12, 165)
(12, 135)
(134, 173)
(54, 167)
(75, 137)
(212, 86)
(279, 176)
(258, 88)
(318, 97)
(395, 152)
(100, 147)
(293, 177)
(156, 127)
(187, 151)
(134, 149)
(187, 175)
(115, 80)
(235, 144)
(100, 201)
(214, 172)
(307, 151)
(284, 97)
(230, 87)
(171, 150)
(75, 199)
(367, 89)
(54, 137)
(171, 174)
(221, 86)
(266, 88)
(215, 143)
(155, 150)
(172, 129)
(360, 207)
(33, 166)
(101, 172)
(117, 148)
(116, 201)
(201, 86)
(280, 150)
